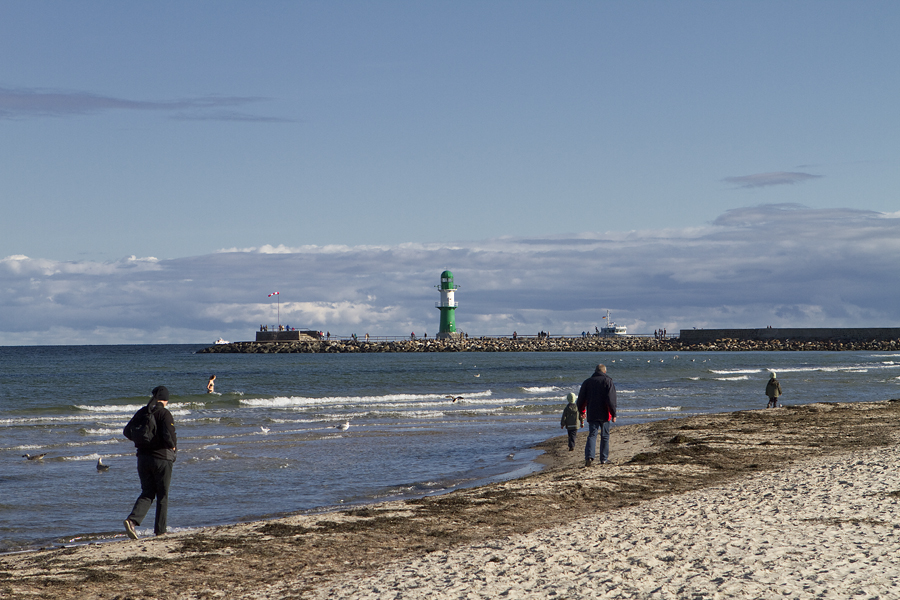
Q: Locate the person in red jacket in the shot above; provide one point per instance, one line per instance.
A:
(597, 405)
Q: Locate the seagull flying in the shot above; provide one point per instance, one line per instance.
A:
(101, 466)
(264, 429)
(454, 398)
(36, 457)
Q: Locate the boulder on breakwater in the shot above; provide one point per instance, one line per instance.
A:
(561, 344)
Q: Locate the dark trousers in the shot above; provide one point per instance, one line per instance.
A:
(155, 474)
(572, 434)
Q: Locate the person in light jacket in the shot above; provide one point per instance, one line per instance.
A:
(571, 420)
(773, 390)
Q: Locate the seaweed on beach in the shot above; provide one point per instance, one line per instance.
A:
(97, 576)
(203, 543)
(282, 529)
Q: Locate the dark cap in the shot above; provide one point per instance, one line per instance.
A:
(161, 393)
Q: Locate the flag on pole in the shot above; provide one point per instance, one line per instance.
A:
(273, 294)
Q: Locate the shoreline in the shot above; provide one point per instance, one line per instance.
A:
(307, 555)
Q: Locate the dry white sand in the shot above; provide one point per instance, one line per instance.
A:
(823, 528)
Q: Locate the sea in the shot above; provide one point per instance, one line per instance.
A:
(268, 442)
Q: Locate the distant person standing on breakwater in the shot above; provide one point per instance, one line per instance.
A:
(571, 420)
(773, 390)
(154, 459)
(597, 405)
(211, 385)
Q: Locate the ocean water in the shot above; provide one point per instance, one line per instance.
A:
(267, 442)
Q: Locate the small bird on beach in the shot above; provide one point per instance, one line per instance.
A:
(454, 398)
(343, 426)
(264, 429)
(100, 466)
(36, 457)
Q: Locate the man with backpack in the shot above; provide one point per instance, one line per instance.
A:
(152, 429)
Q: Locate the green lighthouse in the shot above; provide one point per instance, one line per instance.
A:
(447, 306)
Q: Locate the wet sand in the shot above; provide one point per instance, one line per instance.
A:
(794, 502)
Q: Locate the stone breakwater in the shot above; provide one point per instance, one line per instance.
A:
(576, 344)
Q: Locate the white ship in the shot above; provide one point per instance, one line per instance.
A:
(611, 329)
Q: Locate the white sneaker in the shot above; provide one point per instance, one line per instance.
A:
(129, 529)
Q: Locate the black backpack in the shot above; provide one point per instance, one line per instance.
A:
(141, 429)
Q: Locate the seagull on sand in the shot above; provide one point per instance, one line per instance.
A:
(343, 426)
(100, 466)
(36, 457)
(454, 398)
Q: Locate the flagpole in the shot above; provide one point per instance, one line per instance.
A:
(279, 305)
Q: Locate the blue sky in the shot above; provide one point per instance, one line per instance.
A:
(345, 153)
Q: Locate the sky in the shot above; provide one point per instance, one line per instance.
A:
(165, 166)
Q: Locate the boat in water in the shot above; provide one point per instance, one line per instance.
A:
(220, 341)
(611, 329)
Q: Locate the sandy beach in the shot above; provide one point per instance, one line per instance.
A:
(796, 502)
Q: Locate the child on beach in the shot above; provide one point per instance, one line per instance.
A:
(571, 420)
(773, 390)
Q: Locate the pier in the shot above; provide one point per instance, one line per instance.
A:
(554, 344)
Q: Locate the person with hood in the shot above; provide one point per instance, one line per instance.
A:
(571, 420)
(773, 390)
(597, 405)
(154, 460)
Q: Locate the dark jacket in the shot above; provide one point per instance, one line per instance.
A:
(597, 397)
(773, 388)
(165, 442)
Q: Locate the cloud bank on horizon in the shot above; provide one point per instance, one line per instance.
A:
(781, 265)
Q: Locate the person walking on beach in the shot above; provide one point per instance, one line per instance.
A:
(773, 390)
(211, 385)
(571, 420)
(154, 459)
(597, 405)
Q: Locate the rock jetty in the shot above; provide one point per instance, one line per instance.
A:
(561, 344)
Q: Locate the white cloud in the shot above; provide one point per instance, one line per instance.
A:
(779, 265)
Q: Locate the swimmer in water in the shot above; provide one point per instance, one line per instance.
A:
(211, 384)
